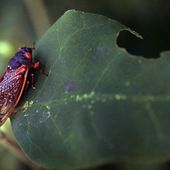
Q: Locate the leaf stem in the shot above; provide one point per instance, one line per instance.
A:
(13, 147)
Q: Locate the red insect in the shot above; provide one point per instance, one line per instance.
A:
(14, 80)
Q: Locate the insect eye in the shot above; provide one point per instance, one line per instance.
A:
(28, 55)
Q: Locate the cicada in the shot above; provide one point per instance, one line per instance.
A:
(14, 80)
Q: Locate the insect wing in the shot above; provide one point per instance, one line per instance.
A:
(1, 78)
(11, 88)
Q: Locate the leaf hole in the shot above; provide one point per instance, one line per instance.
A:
(135, 45)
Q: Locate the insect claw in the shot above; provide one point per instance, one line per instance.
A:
(27, 85)
(33, 87)
(32, 81)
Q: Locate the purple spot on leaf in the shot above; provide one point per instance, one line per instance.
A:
(99, 51)
(70, 87)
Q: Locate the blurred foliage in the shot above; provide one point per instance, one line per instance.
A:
(21, 25)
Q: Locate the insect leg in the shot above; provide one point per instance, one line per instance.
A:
(32, 81)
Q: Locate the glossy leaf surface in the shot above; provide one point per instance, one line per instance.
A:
(98, 104)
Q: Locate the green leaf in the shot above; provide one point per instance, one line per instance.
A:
(98, 103)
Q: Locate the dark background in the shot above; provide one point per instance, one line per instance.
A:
(23, 22)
